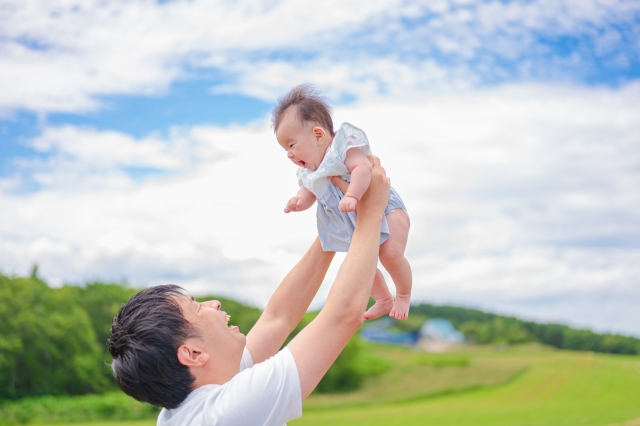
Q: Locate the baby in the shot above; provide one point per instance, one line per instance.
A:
(304, 128)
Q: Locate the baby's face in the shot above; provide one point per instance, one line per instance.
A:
(305, 143)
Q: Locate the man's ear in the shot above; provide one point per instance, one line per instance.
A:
(319, 134)
(191, 354)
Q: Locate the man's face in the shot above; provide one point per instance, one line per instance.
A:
(212, 326)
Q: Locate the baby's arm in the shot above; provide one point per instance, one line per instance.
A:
(302, 201)
(360, 168)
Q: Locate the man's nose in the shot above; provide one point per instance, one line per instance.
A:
(216, 304)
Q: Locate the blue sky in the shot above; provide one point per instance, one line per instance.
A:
(486, 43)
(510, 127)
(185, 103)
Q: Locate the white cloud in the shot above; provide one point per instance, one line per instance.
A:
(108, 149)
(63, 55)
(523, 199)
(66, 53)
(586, 287)
(366, 78)
(73, 157)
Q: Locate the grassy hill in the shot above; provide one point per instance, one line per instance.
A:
(414, 374)
(53, 366)
(524, 385)
(528, 385)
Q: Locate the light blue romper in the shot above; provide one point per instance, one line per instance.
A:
(335, 228)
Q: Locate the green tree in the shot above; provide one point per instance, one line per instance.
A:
(482, 327)
(102, 302)
(47, 343)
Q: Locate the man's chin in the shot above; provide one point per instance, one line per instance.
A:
(243, 339)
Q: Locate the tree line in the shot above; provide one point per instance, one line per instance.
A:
(53, 340)
(485, 328)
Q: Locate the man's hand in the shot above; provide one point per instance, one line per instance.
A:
(383, 183)
(347, 204)
(376, 198)
(295, 204)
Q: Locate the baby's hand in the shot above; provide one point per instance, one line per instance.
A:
(348, 204)
(295, 204)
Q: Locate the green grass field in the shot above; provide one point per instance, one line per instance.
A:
(539, 387)
(526, 385)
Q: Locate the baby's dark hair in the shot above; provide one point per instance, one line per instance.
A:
(309, 106)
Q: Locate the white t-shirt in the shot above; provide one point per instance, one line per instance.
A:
(265, 394)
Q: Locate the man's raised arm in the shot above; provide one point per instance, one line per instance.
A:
(317, 346)
(289, 303)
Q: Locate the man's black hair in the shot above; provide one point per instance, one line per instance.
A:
(145, 336)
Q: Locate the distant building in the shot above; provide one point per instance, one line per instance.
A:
(380, 331)
(439, 335)
(435, 335)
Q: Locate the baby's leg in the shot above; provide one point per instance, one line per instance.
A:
(392, 257)
(384, 301)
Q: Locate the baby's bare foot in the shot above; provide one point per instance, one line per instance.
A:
(401, 306)
(381, 307)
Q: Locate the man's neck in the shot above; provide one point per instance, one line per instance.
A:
(217, 371)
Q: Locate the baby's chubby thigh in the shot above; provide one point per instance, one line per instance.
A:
(392, 250)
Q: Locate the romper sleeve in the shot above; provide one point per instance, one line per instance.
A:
(353, 137)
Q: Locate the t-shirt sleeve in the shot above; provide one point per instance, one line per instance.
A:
(267, 394)
(246, 361)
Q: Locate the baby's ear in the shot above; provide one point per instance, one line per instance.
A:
(319, 134)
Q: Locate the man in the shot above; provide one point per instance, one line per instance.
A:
(173, 352)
